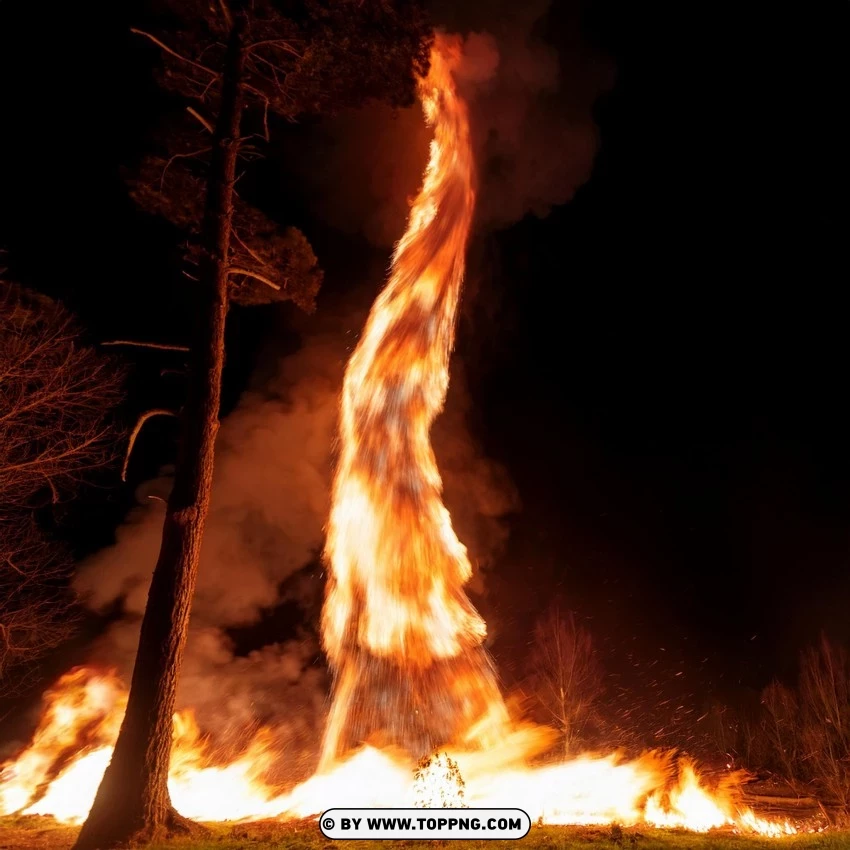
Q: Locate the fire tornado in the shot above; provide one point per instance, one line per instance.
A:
(404, 640)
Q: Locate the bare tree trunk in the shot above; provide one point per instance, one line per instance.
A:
(133, 802)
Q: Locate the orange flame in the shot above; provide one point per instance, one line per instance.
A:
(82, 715)
(398, 568)
(395, 605)
(403, 638)
(59, 772)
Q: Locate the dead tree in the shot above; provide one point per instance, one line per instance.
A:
(228, 57)
(55, 397)
(566, 677)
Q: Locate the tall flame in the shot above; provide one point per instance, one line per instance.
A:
(404, 640)
(396, 615)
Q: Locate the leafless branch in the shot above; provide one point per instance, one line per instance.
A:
(189, 155)
(148, 414)
(140, 344)
(174, 53)
(195, 114)
(248, 250)
(278, 43)
(266, 134)
(225, 11)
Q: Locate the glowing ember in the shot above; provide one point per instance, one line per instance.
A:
(404, 641)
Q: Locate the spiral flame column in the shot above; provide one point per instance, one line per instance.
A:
(403, 639)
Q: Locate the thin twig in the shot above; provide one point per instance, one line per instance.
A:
(248, 250)
(275, 42)
(195, 114)
(202, 96)
(266, 135)
(226, 12)
(174, 53)
(159, 345)
(179, 156)
(148, 414)
(9, 563)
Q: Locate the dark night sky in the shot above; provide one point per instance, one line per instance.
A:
(663, 369)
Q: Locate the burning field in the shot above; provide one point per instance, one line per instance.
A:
(411, 675)
(58, 775)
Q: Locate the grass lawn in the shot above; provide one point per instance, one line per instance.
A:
(37, 833)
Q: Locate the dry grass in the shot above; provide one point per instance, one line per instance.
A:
(41, 833)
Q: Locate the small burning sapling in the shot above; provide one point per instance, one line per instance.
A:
(438, 783)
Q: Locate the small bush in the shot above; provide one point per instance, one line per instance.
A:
(807, 731)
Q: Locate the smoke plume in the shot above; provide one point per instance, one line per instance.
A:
(531, 102)
(531, 109)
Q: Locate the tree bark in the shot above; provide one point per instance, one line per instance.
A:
(133, 803)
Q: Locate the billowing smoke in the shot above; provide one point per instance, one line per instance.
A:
(532, 118)
(263, 537)
(531, 102)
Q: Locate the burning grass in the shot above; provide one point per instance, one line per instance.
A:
(33, 832)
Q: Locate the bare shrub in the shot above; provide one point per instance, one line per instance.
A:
(566, 676)
(807, 732)
(825, 727)
(781, 729)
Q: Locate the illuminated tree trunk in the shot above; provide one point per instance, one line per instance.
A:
(133, 802)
